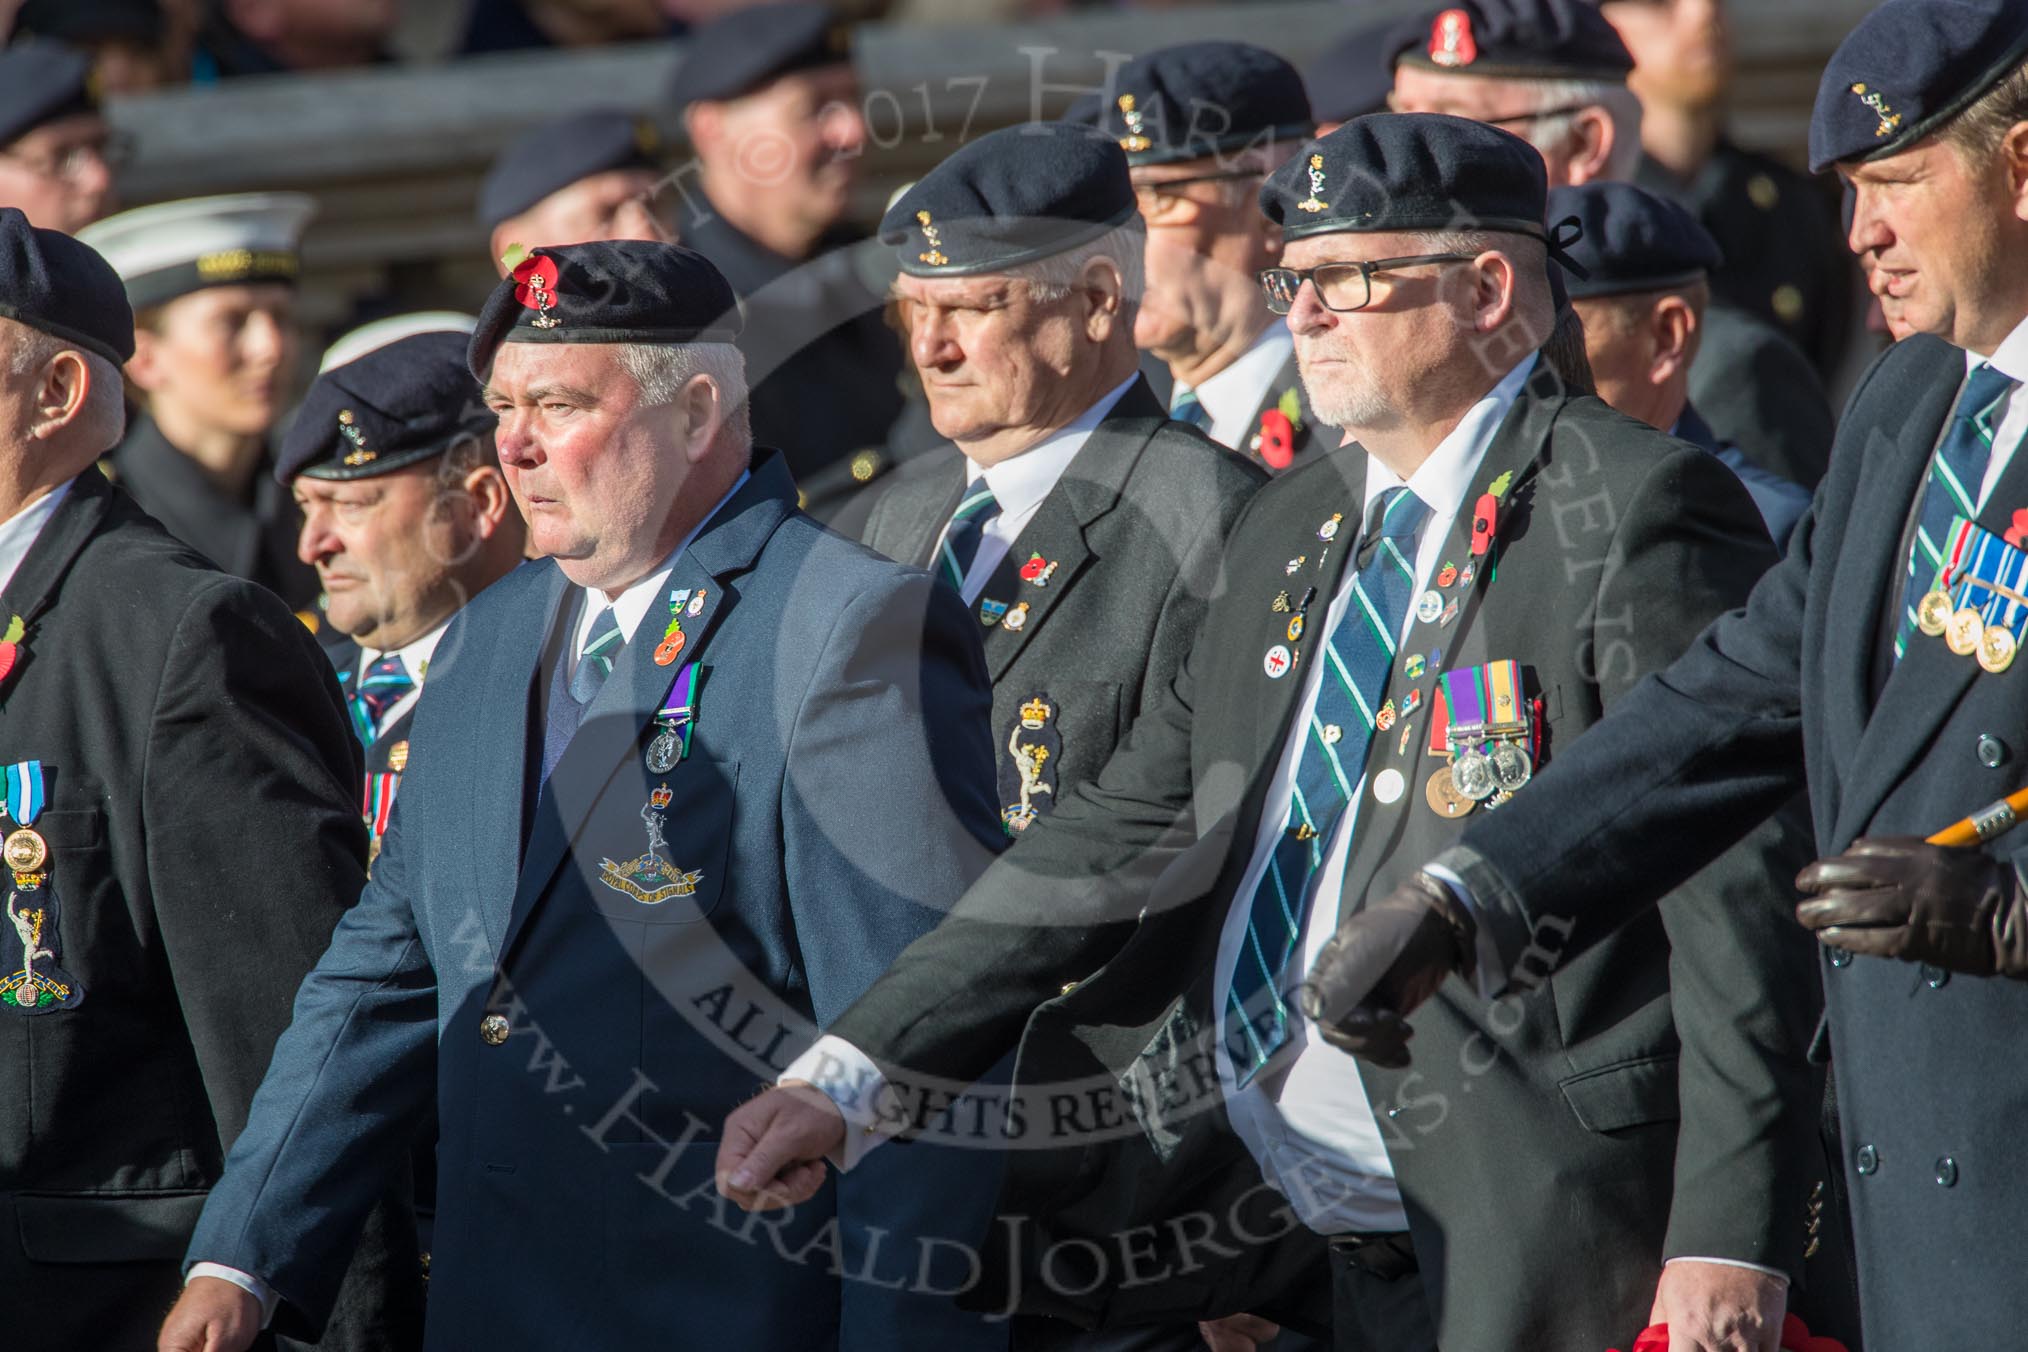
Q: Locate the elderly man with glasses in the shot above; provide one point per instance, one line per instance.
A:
(57, 156)
(1202, 124)
(1404, 629)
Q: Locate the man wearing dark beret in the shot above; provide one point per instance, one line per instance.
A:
(1649, 266)
(56, 154)
(1875, 668)
(1201, 125)
(676, 792)
(182, 833)
(1554, 73)
(1487, 567)
(213, 284)
(132, 47)
(771, 104)
(590, 176)
(1784, 261)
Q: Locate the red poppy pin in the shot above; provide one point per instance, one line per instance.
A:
(10, 647)
(535, 287)
(2017, 534)
(1276, 443)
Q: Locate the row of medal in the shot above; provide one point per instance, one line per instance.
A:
(1977, 605)
(1480, 719)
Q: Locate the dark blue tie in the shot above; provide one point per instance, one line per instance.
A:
(1357, 660)
(965, 533)
(1956, 473)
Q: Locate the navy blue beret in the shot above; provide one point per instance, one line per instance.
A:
(1410, 171)
(51, 282)
(1012, 196)
(396, 406)
(611, 291)
(553, 156)
(1355, 75)
(1632, 240)
(1204, 99)
(84, 21)
(1909, 67)
(41, 81)
(1522, 39)
(743, 50)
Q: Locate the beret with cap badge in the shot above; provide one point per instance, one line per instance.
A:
(609, 291)
(1908, 68)
(396, 406)
(1198, 100)
(1522, 40)
(1012, 196)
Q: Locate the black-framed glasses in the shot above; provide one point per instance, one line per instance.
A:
(1340, 286)
(1562, 110)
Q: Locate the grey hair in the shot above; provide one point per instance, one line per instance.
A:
(1620, 105)
(1053, 278)
(663, 369)
(103, 419)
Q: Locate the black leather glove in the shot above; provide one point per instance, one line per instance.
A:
(1901, 897)
(1383, 962)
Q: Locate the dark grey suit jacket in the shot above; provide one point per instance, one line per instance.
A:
(1652, 1100)
(1133, 529)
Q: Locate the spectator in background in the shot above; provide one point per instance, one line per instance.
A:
(772, 107)
(580, 179)
(132, 47)
(268, 37)
(510, 25)
(56, 154)
(213, 284)
(1784, 260)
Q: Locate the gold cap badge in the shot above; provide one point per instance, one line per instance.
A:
(934, 256)
(1890, 121)
(358, 455)
(1136, 140)
(1313, 202)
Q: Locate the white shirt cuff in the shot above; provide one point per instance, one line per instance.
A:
(1733, 1262)
(245, 1281)
(846, 1076)
(1491, 974)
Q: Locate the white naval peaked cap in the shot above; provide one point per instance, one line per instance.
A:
(173, 248)
(372, 337)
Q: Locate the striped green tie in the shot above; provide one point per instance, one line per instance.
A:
(601, 650)
(1956, 474)
(965, 533)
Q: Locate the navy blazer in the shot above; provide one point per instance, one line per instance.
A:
(581, 1046)
(1798, 690)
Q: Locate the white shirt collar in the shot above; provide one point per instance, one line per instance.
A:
(633, 604)
(1231, 396)
(2010, 358)
(1442, 480)
(415, 656)
(19, 532)
(1022, 481)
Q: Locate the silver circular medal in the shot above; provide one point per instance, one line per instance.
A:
(1472, 774)
(664, 752)
(1511, 766)
(1428, 606)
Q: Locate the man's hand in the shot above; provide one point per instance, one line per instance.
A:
(1383, 962)
(1237, 1332)
(774, 1147)
(1899, 897)
(212, 1315)
(1716, 1307)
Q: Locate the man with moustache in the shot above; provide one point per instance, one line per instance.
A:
(1874, 668)
(1202, 124)
(590, 176)
(770, 102)
(1465, 570)
(676, 793)
(213, 284)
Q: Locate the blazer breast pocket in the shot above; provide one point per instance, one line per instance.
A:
(667, 865)
(72, 828)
